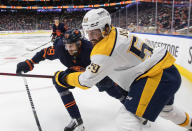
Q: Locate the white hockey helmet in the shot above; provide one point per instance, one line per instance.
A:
(96, 19)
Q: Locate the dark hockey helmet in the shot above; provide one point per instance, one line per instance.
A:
(72, 36)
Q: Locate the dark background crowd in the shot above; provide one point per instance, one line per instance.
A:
(43, 20)
(147, 16)
(37, 20)
(40, 19)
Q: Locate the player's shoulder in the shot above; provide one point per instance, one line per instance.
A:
(60, 48)
(86, 45)
(59, 43)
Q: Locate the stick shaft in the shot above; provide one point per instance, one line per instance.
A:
(39, 46)
(27, 75)
(32, 105)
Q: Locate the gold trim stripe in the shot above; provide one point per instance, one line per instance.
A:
(148, 92)
(106, 45)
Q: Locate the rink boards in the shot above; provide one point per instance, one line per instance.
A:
(179, 46)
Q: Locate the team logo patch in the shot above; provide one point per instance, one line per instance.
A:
(95, 24)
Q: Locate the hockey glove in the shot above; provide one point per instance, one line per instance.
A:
(24, 66)
(59, 79)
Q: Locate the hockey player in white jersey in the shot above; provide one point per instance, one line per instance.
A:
(148, 74)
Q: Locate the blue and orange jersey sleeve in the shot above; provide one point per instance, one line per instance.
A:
(46, 53)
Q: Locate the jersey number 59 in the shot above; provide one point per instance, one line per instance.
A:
(140, 50)
(137, 48)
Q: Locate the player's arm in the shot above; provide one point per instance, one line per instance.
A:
(94, 73)
(28, 65)
(46, 53)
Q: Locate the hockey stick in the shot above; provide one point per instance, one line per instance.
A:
(32, 105)
(37, 47)
(27, 75)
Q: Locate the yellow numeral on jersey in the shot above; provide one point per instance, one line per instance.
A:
(142, 51)
(94, 68)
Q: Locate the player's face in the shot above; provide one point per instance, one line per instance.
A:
(94, 36)
(56, 22)
(71, 48)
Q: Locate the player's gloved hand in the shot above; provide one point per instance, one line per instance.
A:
(24, 66)
(59, 79)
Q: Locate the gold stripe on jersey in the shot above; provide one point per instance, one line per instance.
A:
(106, 45)
(154, 77)
(73, 80)
(166, 62)
(148, 92)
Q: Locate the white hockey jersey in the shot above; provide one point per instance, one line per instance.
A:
(124, 58)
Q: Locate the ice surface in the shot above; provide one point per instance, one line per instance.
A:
(98, 110)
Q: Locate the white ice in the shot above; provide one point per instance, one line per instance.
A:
(98, 110)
